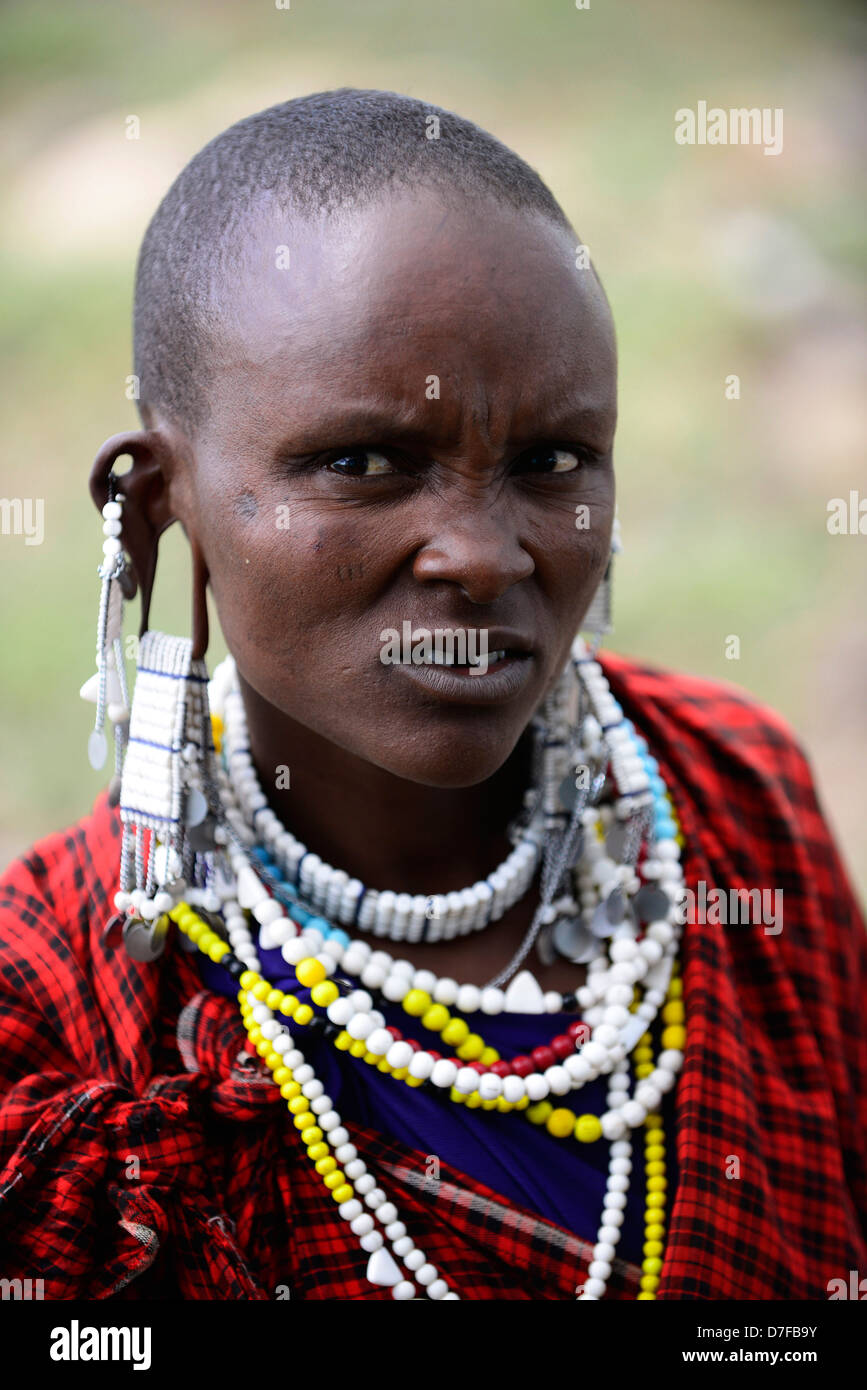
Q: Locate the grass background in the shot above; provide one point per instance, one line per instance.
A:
(716, 260)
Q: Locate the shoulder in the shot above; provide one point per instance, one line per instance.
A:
(66, 880)
(54, 902)
(712, 721)
(697, 702)
(71, 1003)
(738, 775)
(743, 788)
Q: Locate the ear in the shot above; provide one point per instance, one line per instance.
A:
(147, 512)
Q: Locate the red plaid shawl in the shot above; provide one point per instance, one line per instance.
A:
(140, 1158)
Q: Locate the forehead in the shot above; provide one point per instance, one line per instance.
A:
(487, 298)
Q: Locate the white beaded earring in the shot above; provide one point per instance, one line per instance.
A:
(597, 620)
(169, 804)
(165, 774)
(107, 688)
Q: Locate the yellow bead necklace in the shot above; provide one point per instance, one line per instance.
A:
(560, 1122)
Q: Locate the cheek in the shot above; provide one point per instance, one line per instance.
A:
(288, 579)
(297, 578)
(571, 556)
(593, 542)
(571, 550)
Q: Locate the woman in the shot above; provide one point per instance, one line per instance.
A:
(260, 1038)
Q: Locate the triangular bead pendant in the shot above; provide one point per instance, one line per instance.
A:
(113, 693)
(524, 995)
(381, 1269)
(250, 890)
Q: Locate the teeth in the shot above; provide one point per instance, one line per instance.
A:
(492, 658)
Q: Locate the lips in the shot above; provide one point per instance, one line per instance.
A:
(501, 682)
(467, 664)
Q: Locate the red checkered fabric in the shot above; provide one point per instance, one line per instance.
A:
(143, 1153)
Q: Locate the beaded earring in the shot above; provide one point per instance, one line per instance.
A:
(571, 755)
(169, 804)
(107, 688)
(560, 733)
(164, 775)
(557, 928)
(597, 620)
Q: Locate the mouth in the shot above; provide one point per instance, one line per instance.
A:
(504, 676)
(476, 667)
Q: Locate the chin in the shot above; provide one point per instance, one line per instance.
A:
(449, 757)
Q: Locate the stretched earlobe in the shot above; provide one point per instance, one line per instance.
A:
(146, 512)
(200, 602)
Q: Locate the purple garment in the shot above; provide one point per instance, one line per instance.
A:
(560, 1179)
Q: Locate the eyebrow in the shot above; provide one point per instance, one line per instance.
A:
(357, 425)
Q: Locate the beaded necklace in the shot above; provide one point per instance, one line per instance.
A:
(327, 1141)
(200, 846)
(627, 985)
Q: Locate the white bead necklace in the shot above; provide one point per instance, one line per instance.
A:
(236, 887)
(604, 998)
(225, 699)
(400, 916)
(615, 1031)
(611, 975)
(382, 1269)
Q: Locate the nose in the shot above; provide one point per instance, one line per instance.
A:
(478, 550)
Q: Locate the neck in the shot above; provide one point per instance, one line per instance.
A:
(382, 829)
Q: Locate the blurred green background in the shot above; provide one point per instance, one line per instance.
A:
(717, 260)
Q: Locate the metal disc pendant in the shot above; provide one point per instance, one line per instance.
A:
(97, 749)
(577, 849)
(567, 793)
(651, 904)
(573, 941)
(615, 907)
(196, 808)
(113, 922)
(600, 924)
(201, 837)
(615, 841)
(545, 948)
(145, 943)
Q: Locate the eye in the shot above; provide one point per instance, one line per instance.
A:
(361, 463)
(550, 461)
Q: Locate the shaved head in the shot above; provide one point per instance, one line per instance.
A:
(307, 158)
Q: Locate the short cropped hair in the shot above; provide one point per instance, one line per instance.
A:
(312, 155)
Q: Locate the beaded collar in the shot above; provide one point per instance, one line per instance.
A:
(602, 903)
